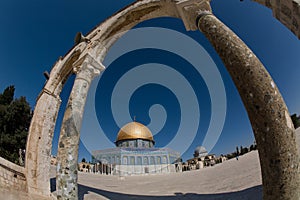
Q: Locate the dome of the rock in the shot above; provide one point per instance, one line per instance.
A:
(135, 153)
(134, 130)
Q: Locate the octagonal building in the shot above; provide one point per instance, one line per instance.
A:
(135, 154)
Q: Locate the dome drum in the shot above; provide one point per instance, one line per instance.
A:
(133, 143)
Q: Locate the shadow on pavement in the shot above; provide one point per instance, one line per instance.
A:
(253, 193)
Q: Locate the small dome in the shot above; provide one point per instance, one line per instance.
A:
(134, 130)
(200, 151)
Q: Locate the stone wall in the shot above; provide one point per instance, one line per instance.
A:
(12, 176)
(286, 11)
(298, 139)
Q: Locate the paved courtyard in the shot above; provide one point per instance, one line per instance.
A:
(233, 179)
(230, 180)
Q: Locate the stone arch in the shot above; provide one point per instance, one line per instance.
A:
(41, 130)
(85, 59)
(287, 12)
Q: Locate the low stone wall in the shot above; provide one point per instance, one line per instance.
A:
(12, 176)
(298, 139)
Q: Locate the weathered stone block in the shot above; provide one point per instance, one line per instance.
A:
(296, 8)
(188, 11)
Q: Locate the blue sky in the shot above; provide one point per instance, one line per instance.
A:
(34, 34)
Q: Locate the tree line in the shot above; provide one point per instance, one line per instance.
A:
(15, 117)
(296, 120)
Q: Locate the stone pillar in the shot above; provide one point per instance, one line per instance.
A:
(39, 143)
(271, 123)
(66, 179)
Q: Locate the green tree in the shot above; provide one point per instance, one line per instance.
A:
(7, 96)
(296, 120)
(15, 117)
(83, 160)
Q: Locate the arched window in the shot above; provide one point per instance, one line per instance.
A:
(139, 160)
(158, 158)
(152, 161)
(132, 160)
(146, 161)
(125, 160)
(164, 161)
(131, 143)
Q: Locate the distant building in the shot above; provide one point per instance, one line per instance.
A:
(135, 154)
(200, 151)
(85, 167)
(201, 159)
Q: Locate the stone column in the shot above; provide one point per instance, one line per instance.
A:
(39, 143)
(66, 179)
(271, 123)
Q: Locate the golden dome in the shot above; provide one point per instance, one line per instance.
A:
(134, 130)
